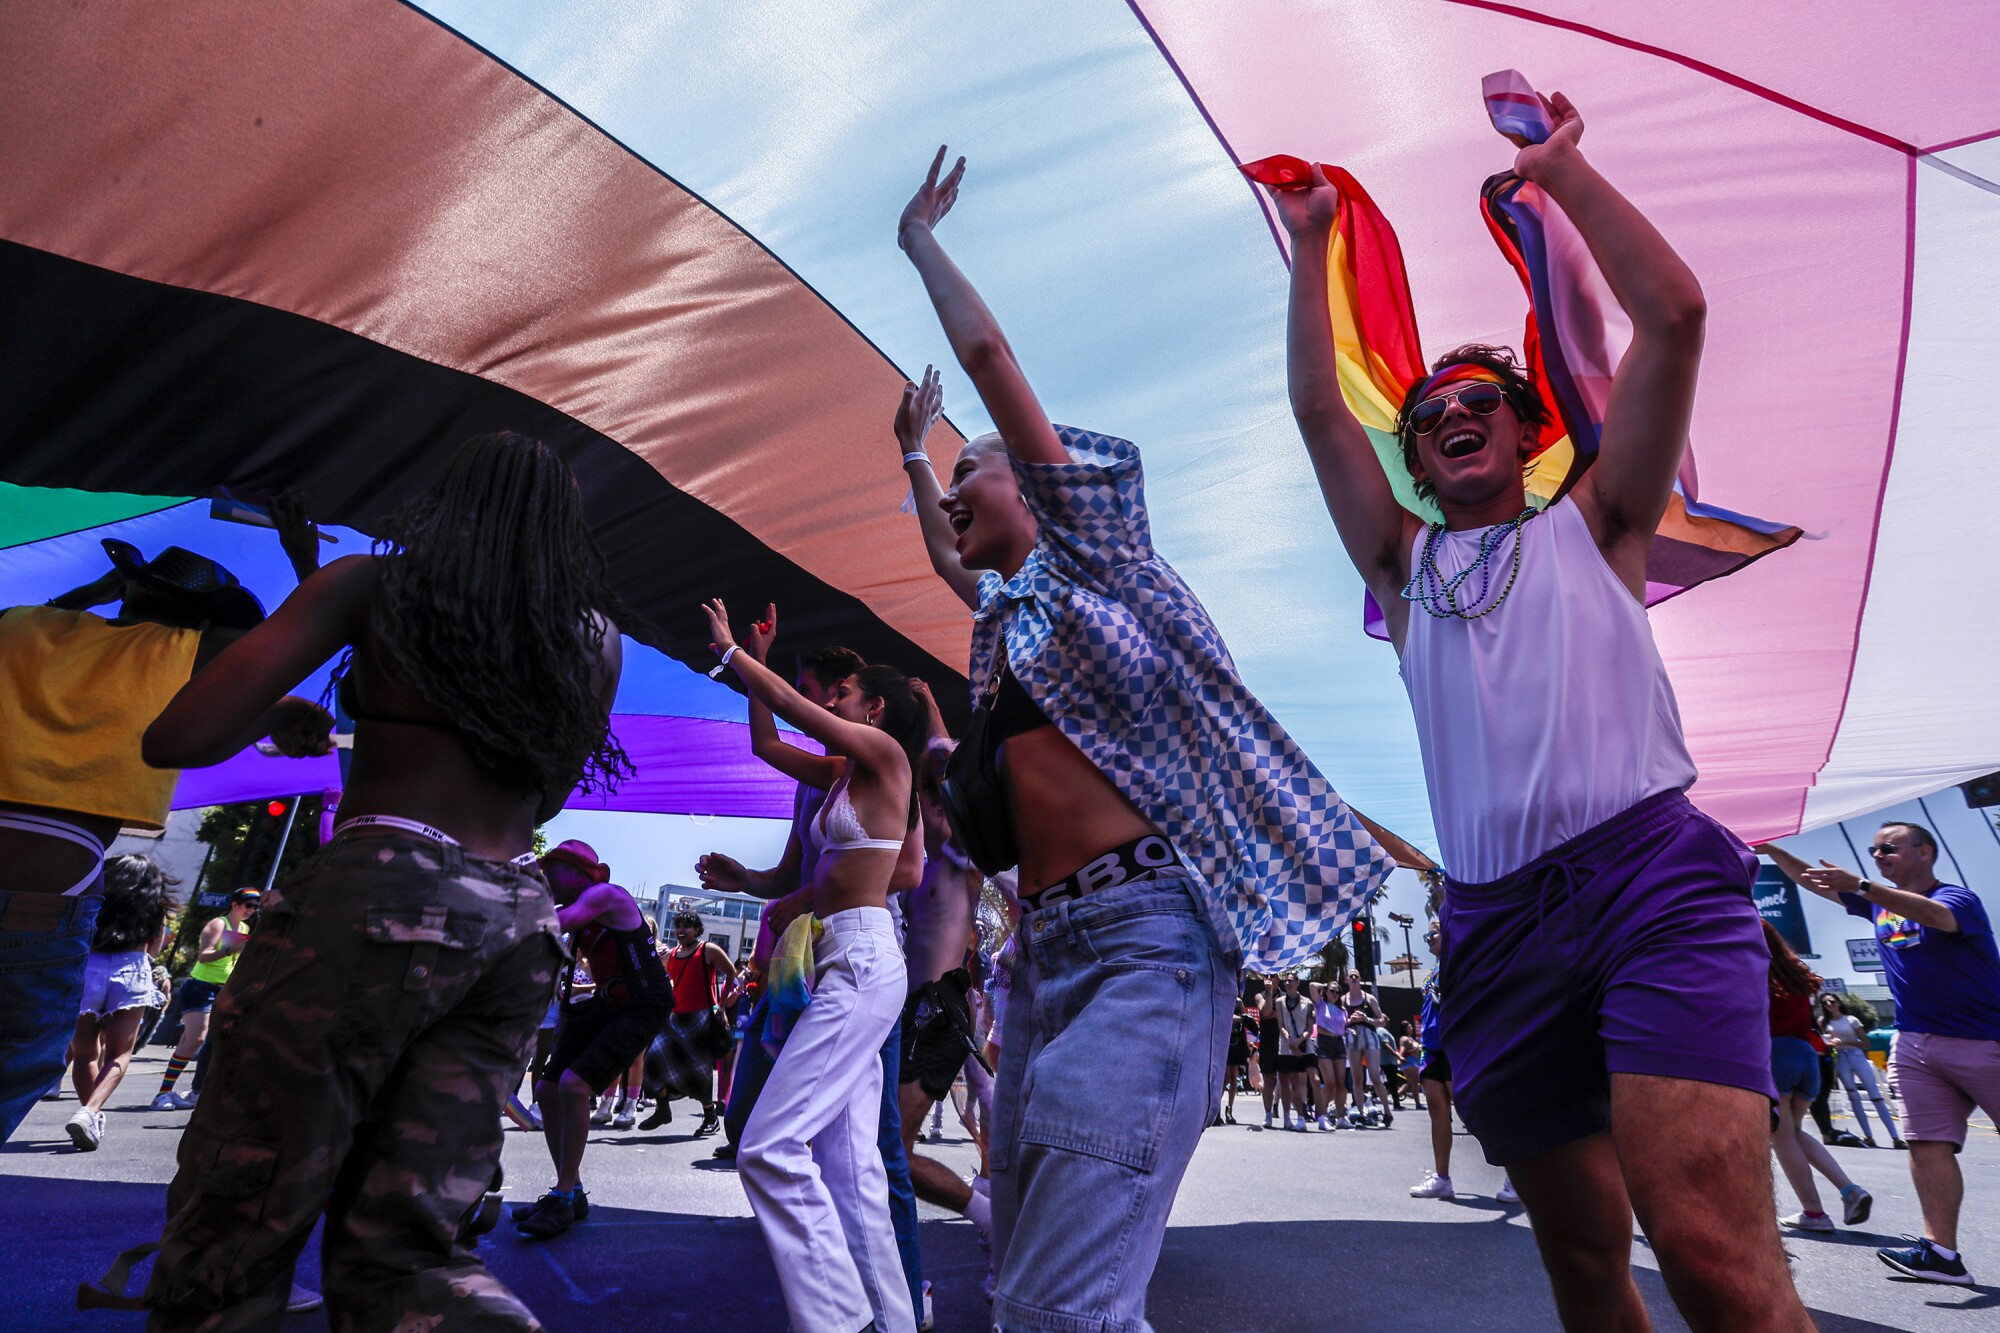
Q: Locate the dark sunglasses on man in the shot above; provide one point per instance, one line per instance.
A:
(1482, 400)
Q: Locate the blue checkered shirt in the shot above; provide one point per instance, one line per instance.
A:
(1120, 654)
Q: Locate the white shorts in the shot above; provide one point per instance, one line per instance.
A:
(117, 981)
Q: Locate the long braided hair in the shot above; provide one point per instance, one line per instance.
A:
(492, 605)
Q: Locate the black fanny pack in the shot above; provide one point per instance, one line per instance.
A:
(973, 801)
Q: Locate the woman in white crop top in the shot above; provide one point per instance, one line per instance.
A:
(826, 1088)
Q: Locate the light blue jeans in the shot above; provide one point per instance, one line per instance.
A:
(1111, 1059)
(44, 944)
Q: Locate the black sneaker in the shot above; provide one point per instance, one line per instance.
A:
(1923, 1262)
(710, 1124)
(551, 1216)
(725, 1151)
(579, 1204)
(663, 1114)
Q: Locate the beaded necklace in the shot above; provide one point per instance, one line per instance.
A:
(1430, 589)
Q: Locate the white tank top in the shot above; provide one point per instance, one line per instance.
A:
(1546, 717)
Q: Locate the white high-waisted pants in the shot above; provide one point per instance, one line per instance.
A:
(810, 1160)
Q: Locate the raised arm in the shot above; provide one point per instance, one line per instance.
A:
(1652, 394)
(1375, 529)
(921, 407)
(240, 697)
(766, 741)
(851, 739)
(298, 534)
(975, 336)
(1785, 861)
(937, 730)
(106, 587)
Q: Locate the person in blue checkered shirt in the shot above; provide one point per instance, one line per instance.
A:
(1166, 829)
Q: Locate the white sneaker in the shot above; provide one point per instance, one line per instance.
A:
(1804, 1221)
(623, 1118)
(602, 1115)
(303, 1299)
(1506, 1194)
(1433, 1186)
(171, 1101)
(1323, 1124)
(85, 1128)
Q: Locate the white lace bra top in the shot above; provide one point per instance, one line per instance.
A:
(838, 828)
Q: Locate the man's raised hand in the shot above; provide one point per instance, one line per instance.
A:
(1536, 158)
(1309, 208)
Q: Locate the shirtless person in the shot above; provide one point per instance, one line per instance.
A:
(1604, 960)
(938, 915)
(596, 1039)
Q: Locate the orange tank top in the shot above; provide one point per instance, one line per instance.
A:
(78, 692)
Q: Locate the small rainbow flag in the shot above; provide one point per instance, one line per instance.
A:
(1575, 335)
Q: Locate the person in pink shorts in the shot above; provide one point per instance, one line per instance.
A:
(1939, 958)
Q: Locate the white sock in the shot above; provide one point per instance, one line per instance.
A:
(1942, 1252)
(979, 1211)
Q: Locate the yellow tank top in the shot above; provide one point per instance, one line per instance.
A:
(217, 972)
(77, 693)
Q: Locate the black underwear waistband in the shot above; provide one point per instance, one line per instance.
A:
(1137, 859)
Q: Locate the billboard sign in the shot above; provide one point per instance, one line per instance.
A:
(1778, 903)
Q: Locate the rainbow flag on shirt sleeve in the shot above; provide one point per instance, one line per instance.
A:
(1575, 334)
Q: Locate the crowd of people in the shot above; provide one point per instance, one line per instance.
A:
(1170, 859)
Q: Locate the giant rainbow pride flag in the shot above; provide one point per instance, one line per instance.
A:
(254, 245)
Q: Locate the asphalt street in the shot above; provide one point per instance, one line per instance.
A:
(1272, 1232)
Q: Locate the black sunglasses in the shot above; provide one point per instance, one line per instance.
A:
(1482, 400)
(1884, 848)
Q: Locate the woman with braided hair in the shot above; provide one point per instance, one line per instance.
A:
(482, 660)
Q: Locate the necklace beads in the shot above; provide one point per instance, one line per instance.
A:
(1440, 596)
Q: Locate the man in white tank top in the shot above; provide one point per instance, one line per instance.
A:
(1606, 968)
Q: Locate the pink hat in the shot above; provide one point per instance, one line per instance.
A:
(582, 855)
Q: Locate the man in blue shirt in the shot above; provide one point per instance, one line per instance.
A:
(1941, 965)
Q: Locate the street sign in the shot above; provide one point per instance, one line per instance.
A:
(1865, 955)
(1837, 985)
(212, 900)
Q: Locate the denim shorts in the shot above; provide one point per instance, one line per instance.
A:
(113, 982)
(44, 943)
(1116, 1029)
(1795, 1067)
(198, 997)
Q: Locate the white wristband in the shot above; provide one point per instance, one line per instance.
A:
(917, 457)
(728, 653)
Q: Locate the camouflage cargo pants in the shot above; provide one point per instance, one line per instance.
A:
(382, 1011)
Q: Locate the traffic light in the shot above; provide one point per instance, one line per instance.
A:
(1364, 949)
(263, 843)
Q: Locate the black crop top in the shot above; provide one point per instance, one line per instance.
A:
(1012, 713)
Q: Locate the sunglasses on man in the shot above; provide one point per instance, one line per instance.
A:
(1884, 848)
(1482, 400)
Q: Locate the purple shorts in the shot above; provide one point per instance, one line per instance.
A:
(1633, 948)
